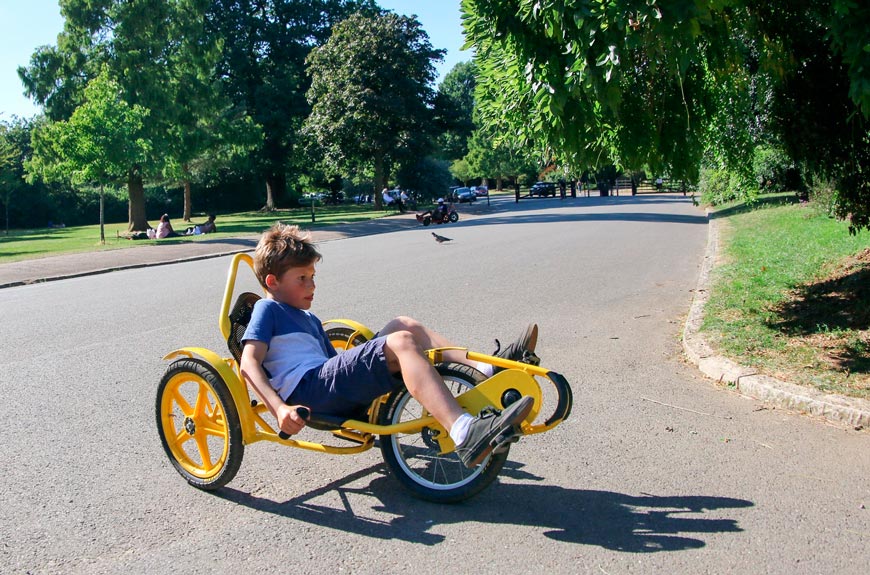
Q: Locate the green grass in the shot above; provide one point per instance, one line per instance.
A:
(789, 296)
(28, 244)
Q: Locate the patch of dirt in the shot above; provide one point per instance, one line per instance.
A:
(830, 317)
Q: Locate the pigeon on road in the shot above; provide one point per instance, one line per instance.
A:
(440, 239)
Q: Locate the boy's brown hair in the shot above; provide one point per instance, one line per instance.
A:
(280, 248)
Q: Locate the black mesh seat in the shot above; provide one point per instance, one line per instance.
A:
(240, 316)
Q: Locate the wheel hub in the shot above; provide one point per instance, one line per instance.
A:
(189, 426)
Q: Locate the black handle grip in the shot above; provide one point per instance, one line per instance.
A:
(302, 412)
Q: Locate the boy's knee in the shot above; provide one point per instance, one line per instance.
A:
(402, 323)
(400, 341)
(408, 323)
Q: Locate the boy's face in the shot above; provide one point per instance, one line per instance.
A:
(294, 287)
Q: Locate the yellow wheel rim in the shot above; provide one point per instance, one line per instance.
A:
(341, 344)
(194, 425)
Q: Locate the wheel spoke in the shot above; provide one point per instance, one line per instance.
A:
(205, 455)
(181, 401)
(203, 405)
(213, 423)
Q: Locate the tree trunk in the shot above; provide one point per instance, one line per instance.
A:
(102, 217)
(187, 202)
(270, 198)
(275, 185)
(379, 180)
(138, 219)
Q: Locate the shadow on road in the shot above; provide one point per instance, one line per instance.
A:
(616, 521)
(540, 212)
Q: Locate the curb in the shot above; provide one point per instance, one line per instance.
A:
(47, 270)
(114, 268)
(849, 411)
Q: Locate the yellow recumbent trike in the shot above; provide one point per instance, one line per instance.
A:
(206, 415)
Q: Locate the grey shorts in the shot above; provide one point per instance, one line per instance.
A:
(347, 382)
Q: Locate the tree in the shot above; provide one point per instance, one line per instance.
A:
(499, 157)
(371, 92)
(97, 145)
(817, 100)
(454, 110)
(262, 70)
(670, 86)
(9, 180)
(460, 170)
(149, 50)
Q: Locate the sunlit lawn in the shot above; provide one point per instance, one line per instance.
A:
(37, 243)
(791, 296)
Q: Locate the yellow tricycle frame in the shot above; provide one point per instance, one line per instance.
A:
(204, 415)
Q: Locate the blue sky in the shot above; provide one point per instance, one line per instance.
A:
(27, 24)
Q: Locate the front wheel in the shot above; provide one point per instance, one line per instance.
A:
(198, 424)
(454, 217)
(415, 458)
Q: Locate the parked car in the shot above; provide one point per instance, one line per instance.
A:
(543, 189)
(465, 195)
(312, 197)
(481, 191)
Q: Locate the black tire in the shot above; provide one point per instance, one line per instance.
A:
(453, 217)
(199, 424)
(427, 220)
(414, 459)
(340, 338)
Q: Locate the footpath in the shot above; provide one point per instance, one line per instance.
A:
(845, 411)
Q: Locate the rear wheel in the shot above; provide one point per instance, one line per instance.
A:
(343, 338)
(415, 459)
(198, 424)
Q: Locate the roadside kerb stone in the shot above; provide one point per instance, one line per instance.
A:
(854, 412)
(68, 266)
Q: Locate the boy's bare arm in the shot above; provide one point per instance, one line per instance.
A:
(251, 368)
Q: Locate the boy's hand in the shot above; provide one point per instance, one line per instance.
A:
(289, 420)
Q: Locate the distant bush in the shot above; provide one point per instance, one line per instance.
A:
(718, 186)
(823, 196)
(775, 172)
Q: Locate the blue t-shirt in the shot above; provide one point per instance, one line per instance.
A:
(296, 340)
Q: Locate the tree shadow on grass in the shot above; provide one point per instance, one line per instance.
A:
(837, 308)
(764, 201)
(617, 521)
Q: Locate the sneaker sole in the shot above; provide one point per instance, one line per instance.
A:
(504, 438)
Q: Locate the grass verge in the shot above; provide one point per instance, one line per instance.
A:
(791, 296)
(29, 244)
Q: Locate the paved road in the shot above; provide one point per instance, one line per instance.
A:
(657, 471)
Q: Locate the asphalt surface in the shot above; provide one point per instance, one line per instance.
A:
(655, 472)
(851, 412)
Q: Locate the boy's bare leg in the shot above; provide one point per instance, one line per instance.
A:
(404, 353)
(426, 338)
(475, 437)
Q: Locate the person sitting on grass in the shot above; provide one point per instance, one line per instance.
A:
(290, 362)
(203, 228)
(164, 228)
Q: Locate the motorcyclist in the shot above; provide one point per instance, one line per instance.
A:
(442, 209)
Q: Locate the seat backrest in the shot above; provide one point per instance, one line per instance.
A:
(240, 316)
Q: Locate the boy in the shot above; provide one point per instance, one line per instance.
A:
(291, 363)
